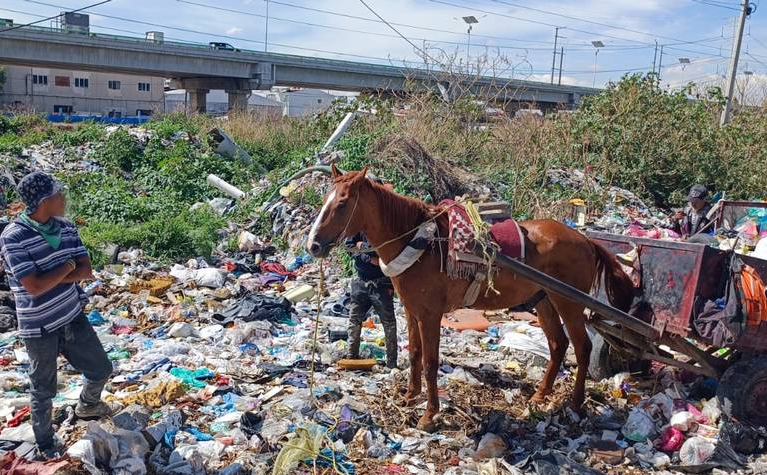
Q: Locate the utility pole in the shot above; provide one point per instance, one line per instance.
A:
(554, 57)
(561, 57)
(660, 63)
(732, 73)
(655, 56)
(266, 29)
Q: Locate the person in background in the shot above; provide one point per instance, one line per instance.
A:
(370, 287)
(45, 260)
(694, 218)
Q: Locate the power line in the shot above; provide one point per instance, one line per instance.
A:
(206, 33)
(351, 30)
(551, 25)
(405, 25)
(54, 17)
(716, 4)
(425, 54)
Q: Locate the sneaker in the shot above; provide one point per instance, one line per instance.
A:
(95, 411)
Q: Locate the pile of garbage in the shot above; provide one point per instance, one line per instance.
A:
(227, 367)
(231, 365)
(623, 211)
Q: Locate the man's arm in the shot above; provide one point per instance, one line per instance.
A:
(83, 271)
(38, 284)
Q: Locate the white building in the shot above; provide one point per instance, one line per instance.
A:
(218, 103)
(63, 91)
(282, 101)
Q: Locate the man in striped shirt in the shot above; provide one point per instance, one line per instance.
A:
(45, 261)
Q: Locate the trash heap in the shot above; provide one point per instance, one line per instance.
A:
(623, 211)
(230, 365)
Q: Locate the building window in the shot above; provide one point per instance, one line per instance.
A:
(38, 79)
(57, 109)
(144, 86)
(81, 82)
(114, 85)
(61, 81)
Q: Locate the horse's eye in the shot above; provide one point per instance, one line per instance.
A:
(342, 204)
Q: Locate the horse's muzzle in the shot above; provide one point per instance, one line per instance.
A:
(318, 250)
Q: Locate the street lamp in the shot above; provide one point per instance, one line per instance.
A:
(596, 44)
(470, 20)
(684, 62)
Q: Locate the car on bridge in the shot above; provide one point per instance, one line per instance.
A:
(222, 46)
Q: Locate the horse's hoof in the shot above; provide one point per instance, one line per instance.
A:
(538, 398)
(427, 424)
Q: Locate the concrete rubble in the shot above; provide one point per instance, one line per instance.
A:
(217, 372)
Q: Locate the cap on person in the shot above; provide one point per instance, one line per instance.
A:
(698, 192)
(36, 188)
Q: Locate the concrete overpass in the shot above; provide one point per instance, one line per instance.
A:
(198, 68)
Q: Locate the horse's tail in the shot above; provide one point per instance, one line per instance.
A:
(618, 285)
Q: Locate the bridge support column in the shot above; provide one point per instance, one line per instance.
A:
(198, 100)
(238, 100)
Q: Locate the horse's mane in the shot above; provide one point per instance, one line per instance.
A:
(400, 213)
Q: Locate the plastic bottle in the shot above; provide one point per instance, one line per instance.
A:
(93, 287)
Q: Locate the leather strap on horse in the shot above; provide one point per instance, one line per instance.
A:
(412, 252)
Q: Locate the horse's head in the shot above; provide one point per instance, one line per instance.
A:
(340, 215)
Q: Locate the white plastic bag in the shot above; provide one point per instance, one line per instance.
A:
(639, 426)
(696, 451)
(210, 277)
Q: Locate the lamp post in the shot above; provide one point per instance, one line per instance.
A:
(596, 44)
(471, 21)
(684, 62)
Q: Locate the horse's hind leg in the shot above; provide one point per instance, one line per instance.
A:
(429, 328)
(552, 327)
(415, 354)
(572, 315)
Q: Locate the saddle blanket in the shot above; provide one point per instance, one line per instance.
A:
(462, 262)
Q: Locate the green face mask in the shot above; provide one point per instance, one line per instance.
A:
(50, 231)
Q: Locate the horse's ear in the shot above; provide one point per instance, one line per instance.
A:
(364, 172)
(336, 173)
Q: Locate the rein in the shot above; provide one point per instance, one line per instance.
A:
(405, 234)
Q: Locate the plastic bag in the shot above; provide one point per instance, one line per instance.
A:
(490, 446)
(711, 411)
(671, 440)
(305, 446)
(696, 451)
(683, 421)
(210, 277)
(639, 426)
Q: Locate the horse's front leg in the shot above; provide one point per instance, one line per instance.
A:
(429, 328)
(415, 353)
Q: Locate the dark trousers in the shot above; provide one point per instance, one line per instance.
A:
(378, 294)
(79, 344)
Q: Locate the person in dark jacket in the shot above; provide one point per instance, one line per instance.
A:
(694, 218)
(370, 288)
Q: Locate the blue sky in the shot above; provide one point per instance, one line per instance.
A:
(517, 34)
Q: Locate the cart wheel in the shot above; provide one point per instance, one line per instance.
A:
(606, 362)
(742, 391)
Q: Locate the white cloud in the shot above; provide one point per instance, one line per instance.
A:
(234, 30)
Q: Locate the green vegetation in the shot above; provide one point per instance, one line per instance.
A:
(634, 135)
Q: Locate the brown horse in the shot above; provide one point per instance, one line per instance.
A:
(357, 204)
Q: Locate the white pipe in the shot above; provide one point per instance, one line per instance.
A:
(339, 132)
(225, 187)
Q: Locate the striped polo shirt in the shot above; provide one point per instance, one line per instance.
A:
(25, 252)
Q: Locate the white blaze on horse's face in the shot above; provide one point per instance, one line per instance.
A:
(315, 248)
